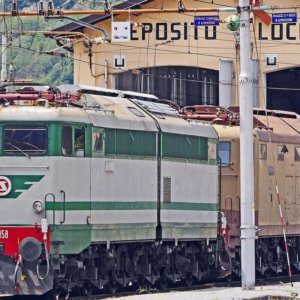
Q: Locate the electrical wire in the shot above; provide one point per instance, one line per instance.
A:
(171, 51)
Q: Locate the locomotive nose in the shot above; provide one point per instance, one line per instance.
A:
(30, 249)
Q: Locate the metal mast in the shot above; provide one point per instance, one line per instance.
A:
(4, 59)
(3, 55)
(246, 151)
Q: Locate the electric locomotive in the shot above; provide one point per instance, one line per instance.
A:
(277, 187)
(104, 190)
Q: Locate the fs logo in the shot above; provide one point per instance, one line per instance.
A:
(5, 186)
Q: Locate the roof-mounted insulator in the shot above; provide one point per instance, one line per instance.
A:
(50, 8)
(41, 10)
(181, 7)
(60, 13)
(107, 7)
(14, 8)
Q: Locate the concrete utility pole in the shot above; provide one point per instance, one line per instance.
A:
(246, 151)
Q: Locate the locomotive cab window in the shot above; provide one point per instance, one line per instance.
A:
(263, 151)
(22, 139)
(97, 141)
(73, 141)
(281, 151)
(225, 153)
(79, 144)
(66, 141)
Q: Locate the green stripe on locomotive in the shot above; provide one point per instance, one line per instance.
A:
(120, 205)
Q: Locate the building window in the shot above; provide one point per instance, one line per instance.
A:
(225, 153)
(184, 85)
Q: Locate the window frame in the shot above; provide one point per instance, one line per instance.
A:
(25, 126)
(227, 164)
(72, 141)
(100, 152)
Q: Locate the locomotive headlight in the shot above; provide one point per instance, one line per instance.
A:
(38, 206)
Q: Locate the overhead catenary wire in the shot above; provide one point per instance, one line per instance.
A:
(160, 51)
(263, 87)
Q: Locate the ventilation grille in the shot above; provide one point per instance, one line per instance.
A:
(167, 190)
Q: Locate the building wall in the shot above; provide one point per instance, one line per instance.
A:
(167, 39)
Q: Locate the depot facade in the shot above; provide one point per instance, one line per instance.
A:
(167, 55)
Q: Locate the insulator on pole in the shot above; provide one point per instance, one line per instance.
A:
(107, 7)
(11, 72)
(14, 8)
(50, 8)
(181, 7)
(41, 10)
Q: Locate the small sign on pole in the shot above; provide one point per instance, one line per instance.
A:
(284, 18)
(206, 20)
(120, 31)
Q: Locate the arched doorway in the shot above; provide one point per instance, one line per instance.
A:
(283, 90)
(183, 85)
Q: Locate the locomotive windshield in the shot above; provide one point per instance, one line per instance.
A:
(24, 139)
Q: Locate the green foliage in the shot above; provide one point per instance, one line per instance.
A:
(26, 53)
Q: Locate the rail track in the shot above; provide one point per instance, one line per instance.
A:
(204, 286)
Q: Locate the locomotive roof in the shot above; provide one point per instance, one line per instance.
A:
(39, 113)
(121, 113)
(267, 128)
(281, 130)
(101, 109)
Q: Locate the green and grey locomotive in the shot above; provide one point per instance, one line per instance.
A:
(103, 191)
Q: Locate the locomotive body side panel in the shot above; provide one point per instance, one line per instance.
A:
(278, 166)
(229, 152)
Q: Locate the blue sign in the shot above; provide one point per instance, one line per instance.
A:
(206, 21)
(284, 18)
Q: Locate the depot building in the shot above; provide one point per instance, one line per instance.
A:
(189, 57)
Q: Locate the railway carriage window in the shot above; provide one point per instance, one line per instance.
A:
(66, 141)
(262, 151)
(225, 153)
(297, 153)
(25, 140)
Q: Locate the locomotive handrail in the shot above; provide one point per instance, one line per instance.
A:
(64, 207)
(228, 198)
(53, 200)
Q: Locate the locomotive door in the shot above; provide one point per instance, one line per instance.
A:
(72, 178)
(289, 199)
